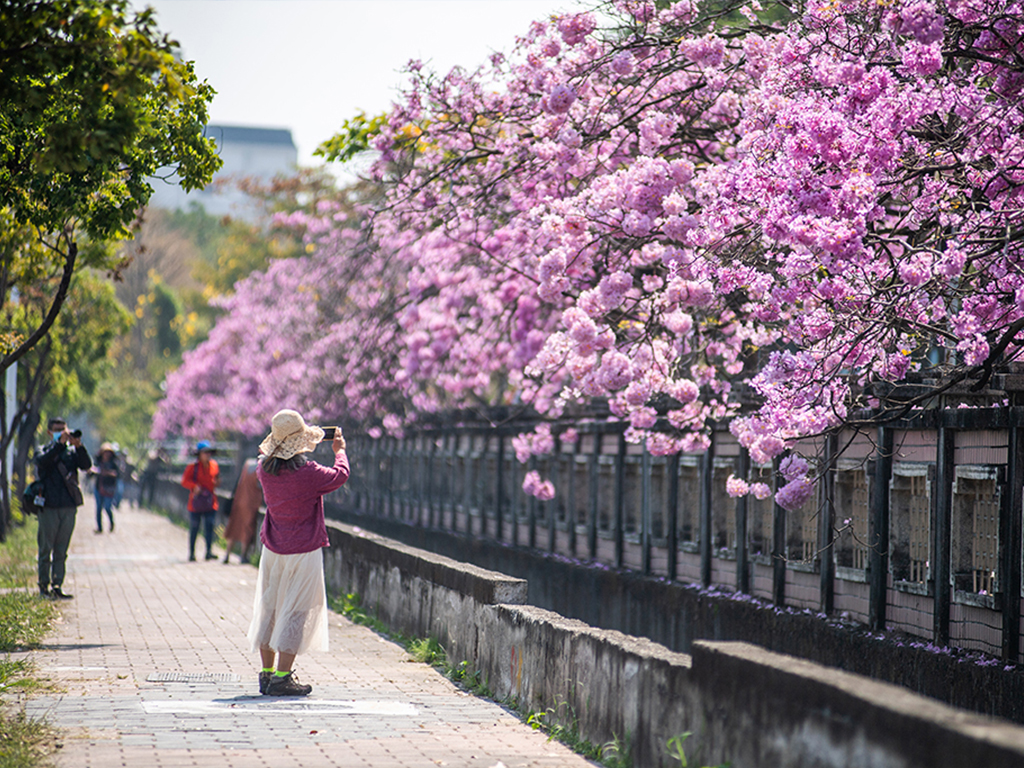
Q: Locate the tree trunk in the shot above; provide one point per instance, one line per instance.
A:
(51, 316)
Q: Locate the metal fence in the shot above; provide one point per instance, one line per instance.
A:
(916, 526)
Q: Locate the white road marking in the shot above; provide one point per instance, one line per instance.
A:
(273, 705)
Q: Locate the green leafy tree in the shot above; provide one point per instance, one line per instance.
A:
(71, 361)
(94, 101)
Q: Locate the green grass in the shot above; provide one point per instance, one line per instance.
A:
(25, 619)
(424, 650)
(565, 729)
(676, 751)
(24, 742)
(18, 554)
(614, 754)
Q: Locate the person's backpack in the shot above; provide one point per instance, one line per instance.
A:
(32, 500)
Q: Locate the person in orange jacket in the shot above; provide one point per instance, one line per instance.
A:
(201, 478)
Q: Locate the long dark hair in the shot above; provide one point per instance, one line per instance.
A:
(272, 465)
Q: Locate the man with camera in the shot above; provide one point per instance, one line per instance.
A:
(57, 465)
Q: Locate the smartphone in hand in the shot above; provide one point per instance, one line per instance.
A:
(328, 433)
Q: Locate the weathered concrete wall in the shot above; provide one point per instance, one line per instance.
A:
(678, 614)
(742, 703)
(412, 591)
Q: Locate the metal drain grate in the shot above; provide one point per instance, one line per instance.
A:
(193, 677)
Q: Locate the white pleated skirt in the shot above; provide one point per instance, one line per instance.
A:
(289, 613)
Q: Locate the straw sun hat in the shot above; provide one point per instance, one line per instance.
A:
(289, 435)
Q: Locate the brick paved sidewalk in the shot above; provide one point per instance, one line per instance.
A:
(155, 671)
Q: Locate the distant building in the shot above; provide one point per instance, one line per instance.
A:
(247, 152)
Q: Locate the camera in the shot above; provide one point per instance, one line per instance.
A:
(76, 433)
(329, 432)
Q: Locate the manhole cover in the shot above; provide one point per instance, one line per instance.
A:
(193, 677)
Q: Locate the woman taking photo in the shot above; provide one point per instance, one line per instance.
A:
(290, 608)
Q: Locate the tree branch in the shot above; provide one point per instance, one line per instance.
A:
(51, 316)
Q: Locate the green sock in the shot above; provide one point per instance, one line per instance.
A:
(285, 673)
(267, 669)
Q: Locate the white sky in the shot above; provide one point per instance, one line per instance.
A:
(308, 65)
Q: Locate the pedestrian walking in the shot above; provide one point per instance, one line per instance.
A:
(290, 605)
(107, 471)
(157, 462)
(57, 465)
(245, 503)
(201, 478)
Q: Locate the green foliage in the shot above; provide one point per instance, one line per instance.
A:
(242, 249)
(26, 620)
(24, 742)
(676, 751)
(470, 679)
(18, 554)
(72, 360)
(350, 606)
(122, 406)
(24, 617)
(617, 753)
(562, 725)
(17, 674)
(353, 138)
(167, 314)
(428, 651)
(93, 101)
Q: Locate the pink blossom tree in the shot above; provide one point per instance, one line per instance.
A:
(766, 215)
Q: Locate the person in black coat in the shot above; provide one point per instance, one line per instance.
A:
(57, 465)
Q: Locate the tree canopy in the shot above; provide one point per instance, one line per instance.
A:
(93, 102)
(767, 214)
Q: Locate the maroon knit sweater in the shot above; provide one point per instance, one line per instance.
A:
(295, 505)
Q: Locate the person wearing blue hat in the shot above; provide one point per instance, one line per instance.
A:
(201, 478)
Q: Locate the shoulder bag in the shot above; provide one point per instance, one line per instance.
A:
(202, 497)
(73, 489)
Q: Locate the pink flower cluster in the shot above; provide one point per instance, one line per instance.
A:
(694, 224)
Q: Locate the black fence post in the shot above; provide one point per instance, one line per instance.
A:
(555, 466)
(499, 492)
(826, 528)
(878, 533)
(707, 485)
(431, 478)
(389, 452)
(779, 522)
(672, 518)
(531, 506)
(742, 509)
(943, 531)
(620, 501)
(1010, 534)
(645, 510)
(571, 495)
(594, 473)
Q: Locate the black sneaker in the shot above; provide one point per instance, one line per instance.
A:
(287, 685)
(44, 592)
(210, 556)
(59, 594)
(265, 681)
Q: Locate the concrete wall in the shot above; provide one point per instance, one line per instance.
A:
(678, 614)
(742, 703)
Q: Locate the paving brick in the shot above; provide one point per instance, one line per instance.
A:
(141, 610)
